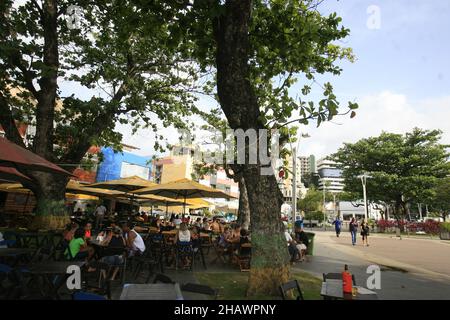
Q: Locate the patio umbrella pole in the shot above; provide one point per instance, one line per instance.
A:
(26, 201)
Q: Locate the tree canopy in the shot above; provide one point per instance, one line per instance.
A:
(403, 168)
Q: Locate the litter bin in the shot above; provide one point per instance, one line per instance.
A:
(310, 246)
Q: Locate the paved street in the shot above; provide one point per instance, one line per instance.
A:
(410, 268)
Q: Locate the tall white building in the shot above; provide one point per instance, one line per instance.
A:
(330, 176)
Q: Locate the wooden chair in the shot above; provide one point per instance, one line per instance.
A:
(244, 256)
(291, 285)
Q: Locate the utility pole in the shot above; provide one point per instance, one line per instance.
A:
(334, 204)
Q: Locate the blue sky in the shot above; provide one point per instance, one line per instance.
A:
(401, 78)
(409, 53)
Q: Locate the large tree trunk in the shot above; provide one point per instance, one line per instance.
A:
(244, 207)
(270, 260)
(50, 201)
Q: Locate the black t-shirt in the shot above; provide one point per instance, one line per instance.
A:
(302, 237)
(116, 242)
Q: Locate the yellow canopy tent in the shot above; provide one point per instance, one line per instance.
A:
(184, 189)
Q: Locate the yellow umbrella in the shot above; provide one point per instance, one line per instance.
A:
(76, 187)
(184, 189)
(124, 185)
(127, 185)
(14, 187)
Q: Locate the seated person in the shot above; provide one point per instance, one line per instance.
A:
(134, 242)
(235, 237)
(245, 236)
(215, 226)
(292, 244)
(205, 225)
(88, 231)
(157, 223)
(302, 240)
(183, 234)
(78, 247)
(114, 240)
(224, 238)
(198, 223)
(195, 237)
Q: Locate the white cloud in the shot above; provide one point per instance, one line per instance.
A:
(385, 111)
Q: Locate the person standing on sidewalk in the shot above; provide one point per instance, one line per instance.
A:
(365, 232)
(353, 229)
(99, 215)
(337, 226)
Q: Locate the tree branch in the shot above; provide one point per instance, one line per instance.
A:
(8, 123)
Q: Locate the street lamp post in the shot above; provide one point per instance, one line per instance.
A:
(324, 209)
(364, 178)
(294, 177)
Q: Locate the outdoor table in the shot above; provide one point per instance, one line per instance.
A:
(332, 289)
(46, 270)
(154, 291)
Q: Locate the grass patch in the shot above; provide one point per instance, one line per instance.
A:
(233, 285)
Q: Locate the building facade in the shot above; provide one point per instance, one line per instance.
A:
(330, 176)
(307, 164)
(180, 164)
(117, 165)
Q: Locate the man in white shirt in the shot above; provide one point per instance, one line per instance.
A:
(99, 215)
(292, 245)
(134, 241)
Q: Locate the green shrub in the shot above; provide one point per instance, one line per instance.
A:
(445, 226)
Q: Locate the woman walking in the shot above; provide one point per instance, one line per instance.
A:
(365, 232)
(353, 229)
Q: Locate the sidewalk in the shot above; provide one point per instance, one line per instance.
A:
(406, 282)
(415, 255)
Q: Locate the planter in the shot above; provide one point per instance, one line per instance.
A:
(444, 235)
